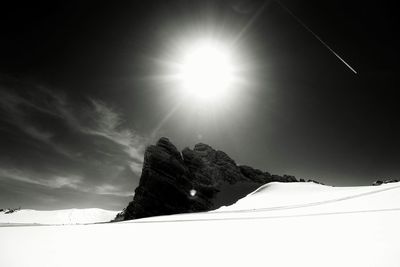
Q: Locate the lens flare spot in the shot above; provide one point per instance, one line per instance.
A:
(193, 192)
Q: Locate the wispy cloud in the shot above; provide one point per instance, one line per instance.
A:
(15, 112)
(93, 138)
(53, 182)
(108, 124)
(108, 189)
(99, 119)
(72, 182)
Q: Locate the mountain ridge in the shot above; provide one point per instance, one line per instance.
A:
(193, 180)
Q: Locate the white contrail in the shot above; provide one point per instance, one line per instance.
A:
(315, 35)
(261, 9)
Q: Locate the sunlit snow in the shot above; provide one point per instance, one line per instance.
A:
(292, 224)
(67, 216)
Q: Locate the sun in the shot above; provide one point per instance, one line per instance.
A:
(206, 71)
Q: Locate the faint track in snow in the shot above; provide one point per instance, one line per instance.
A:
(295, 206)
(269, 217)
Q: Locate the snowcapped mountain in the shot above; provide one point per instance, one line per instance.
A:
(67, 216)
(279, 224)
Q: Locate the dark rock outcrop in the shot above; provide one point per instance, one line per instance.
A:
(198, 179)
(9, 211)
(313, 181)
(120, 216)
(379, 182)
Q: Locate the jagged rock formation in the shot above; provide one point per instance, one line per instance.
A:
(313, 181)
(10, 210)
(379, 182)
(198, 179)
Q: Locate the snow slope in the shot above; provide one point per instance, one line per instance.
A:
(68, 216)
(294, 224)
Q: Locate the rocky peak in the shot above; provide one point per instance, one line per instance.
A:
(203, 147)
(169, 179)
(168, 147)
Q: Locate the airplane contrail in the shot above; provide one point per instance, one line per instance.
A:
(315, 35)
(261, 9)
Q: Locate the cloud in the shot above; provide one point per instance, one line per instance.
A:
(108, 124)
(13, 106)
(18, 110)
(72, 182)
(136, 167)
(53, 142)
(55, 182)
(108, 189)
(98, 119)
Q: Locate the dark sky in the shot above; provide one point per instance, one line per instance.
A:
(82, 93)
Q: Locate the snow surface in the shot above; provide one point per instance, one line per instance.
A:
(67, 216)
(292, 224)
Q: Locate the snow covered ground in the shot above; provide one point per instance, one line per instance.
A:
(68, 216)
(293, 224)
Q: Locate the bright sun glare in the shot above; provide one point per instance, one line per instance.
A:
(206, 71)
